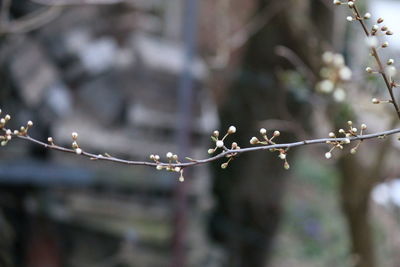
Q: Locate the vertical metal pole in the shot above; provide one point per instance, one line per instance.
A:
(185, 99)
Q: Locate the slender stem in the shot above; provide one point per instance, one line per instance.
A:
(225, 153)
(375, 54)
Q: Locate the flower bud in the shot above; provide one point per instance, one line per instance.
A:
(232, 129)
(254, 140)
(375, 101)
(74, 145)
(220, 143)
(234, 145)
(286, 165)
(74, 135)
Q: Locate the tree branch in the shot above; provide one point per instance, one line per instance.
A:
(389, 84)
(225, 152)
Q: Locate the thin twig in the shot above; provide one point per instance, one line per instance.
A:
(297, 62)
(238, 39)
(225, 153)
(375, 54)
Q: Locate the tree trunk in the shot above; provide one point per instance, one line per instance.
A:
(355, 194)
(357, 182)
(249, 192)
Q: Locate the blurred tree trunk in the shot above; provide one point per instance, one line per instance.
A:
(356, 187)
(357, 182)
(249, 192)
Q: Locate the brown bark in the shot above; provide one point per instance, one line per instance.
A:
(355, 192)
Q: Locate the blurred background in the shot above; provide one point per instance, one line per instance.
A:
(141, 77)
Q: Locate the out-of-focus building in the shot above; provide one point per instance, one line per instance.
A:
(111, 74)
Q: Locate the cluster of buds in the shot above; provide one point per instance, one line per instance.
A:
(389, 69)
(219, 143)
(172, 158)
(23, 131)
(378, 29)
(334, 74)
(375, 30)
(230, 156)
(75, 145)
(8, 134)
(269, 141)
(350, 132)
(5, 138)
(351, 5)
